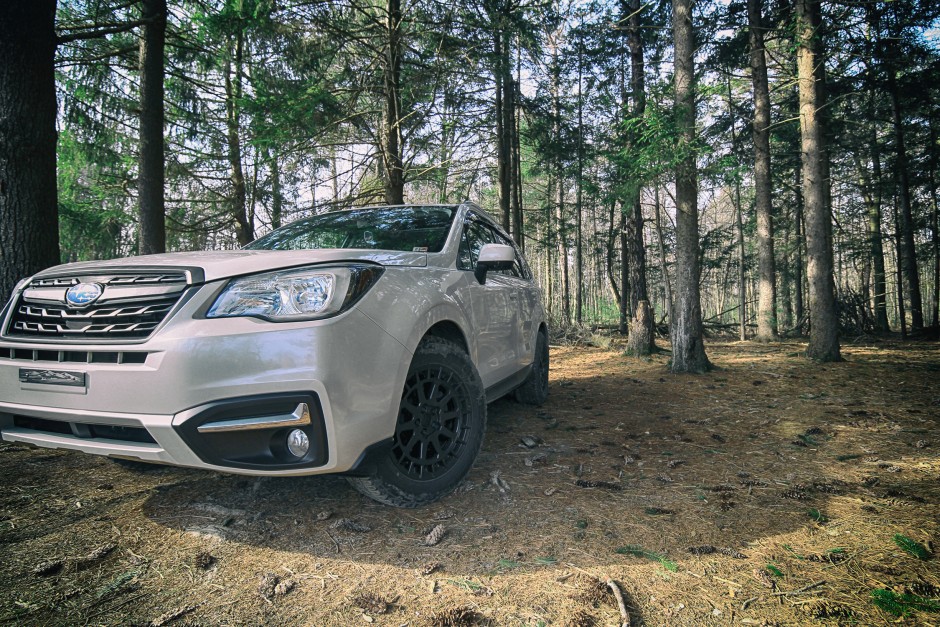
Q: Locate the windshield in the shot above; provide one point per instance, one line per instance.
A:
(421, 229)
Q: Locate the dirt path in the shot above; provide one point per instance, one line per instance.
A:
(770, 491)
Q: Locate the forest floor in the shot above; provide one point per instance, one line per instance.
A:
(770, 491)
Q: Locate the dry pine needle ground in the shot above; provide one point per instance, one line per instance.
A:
(769, 491)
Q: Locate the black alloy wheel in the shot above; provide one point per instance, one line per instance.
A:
(432, 423)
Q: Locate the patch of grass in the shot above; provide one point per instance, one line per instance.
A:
(818, 516)
(773, 570)
(902, 604)
(546, 561)
(467, 584)
(638, 551)
(118, 584)
(787, 547)
(912, 546)
(505, 564)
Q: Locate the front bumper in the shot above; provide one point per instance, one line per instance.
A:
(146, 400)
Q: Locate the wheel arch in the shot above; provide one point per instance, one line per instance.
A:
(448, 330)
(543, 328)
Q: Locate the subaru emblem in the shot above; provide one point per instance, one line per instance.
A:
(83, 294)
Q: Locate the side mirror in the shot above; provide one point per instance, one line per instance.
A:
(494, 257)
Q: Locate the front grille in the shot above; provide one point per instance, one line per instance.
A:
(84, 430)
(131, 306)
(74, 357)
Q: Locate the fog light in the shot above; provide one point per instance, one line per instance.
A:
(298, 443)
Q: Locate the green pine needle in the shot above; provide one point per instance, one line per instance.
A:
(902, 604)
(913, 547)
(818, 516)
(505, 564)
(773, 570)
(638, 551)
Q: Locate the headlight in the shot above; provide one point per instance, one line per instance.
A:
(292, 295)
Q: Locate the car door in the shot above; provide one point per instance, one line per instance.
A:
(494, 307)
(526, 298)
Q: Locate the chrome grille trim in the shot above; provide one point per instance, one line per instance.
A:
(131, 307)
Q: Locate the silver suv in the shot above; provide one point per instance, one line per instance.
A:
(365, 342)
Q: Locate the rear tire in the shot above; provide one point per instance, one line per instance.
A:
(439, 432)
(534, 391)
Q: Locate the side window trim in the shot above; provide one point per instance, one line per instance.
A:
(472, 220)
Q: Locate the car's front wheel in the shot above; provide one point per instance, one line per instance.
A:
(439, 432)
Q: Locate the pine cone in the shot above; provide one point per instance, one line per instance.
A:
(350, 525)
(435, 536)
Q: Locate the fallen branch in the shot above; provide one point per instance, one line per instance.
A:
(620, 603)
(806, 588)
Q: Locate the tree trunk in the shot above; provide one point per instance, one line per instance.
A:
(640, 340)
(233, 93)
(579, 196)
(786, 277)
(871, 194)
(151, 170)
(739, 226)
(688, 348)
(518, 216)
(391, 124)
(29, 219)
(516, 160)
(503, 157)
(562, 233)
(277, 198)
(334, 177)
(902, 316)
(935, 228)
(667, 284)
(798, 291)
(562, 227)
(767, 290)
(872, 187)
(609, 266)
(641, 330)
(742, 275)
(824, 324)
(908, 252)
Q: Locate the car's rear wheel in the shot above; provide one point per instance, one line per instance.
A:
(441, 422)
(534, 391)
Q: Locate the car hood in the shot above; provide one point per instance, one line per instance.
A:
(223, 264)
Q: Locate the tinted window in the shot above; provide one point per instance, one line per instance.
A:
(477, 234)
(415, 229)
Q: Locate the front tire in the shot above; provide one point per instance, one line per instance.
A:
(439, 432)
